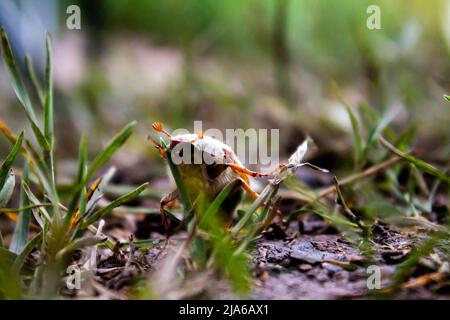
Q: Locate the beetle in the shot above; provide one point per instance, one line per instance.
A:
(218, 166)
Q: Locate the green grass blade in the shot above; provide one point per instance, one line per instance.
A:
(250, 236)
(40, 137)
(48, 122)
(30, 206)
(375, 132)
(114, 204)
(20, 235)
(146, 243)
(37, 164)
(7, 190)
(264, 195)
(79, 244)
(172, 217)
(6, 165)
(405, 139)
(48, 106)
(82, 161)
(355, 126)
(34, 79)
(6, 260)
(83, 202)
(220, 198)
(19, 87)
(417, 162)
(356, 134)
(447, 97)
(20, 259)
(110, 148)
(234, 266)
(10, 285)
(178, 181)
(110, 244)
(36, 202)
(81, 175)
(98, 193)
(20, 90)
(348, 213)
(81, 212)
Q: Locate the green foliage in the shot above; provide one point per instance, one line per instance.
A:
(110, 148)
(214, 207)
(58, 237)
(187, 205)
(6, 165)
(9, 284)
(31, 72)
(359, 147)
(227, 261)
(7, 189)
(20, 90)
(20, 235)
(26, 250)
(417, 162)
(114, 204)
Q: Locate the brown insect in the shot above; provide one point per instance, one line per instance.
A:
(219, 167)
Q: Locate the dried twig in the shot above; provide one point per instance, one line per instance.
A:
(359, 176)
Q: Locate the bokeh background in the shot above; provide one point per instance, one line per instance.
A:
(236, 64)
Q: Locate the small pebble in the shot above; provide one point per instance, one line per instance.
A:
(305, 267)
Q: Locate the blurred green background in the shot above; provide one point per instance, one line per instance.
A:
(237, 64)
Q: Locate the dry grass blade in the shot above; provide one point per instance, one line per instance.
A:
(371, 171)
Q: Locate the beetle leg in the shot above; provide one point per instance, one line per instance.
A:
(158, 126)
(255, 195)
(157, 146)
(165, 200)
(227, 224)
(240, 169)
(249, 189)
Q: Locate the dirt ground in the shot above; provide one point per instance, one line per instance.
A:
(286, 265)
(307, 258)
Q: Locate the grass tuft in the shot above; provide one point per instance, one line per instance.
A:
(58, 236)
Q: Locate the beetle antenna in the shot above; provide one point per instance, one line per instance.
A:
(158, 126)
